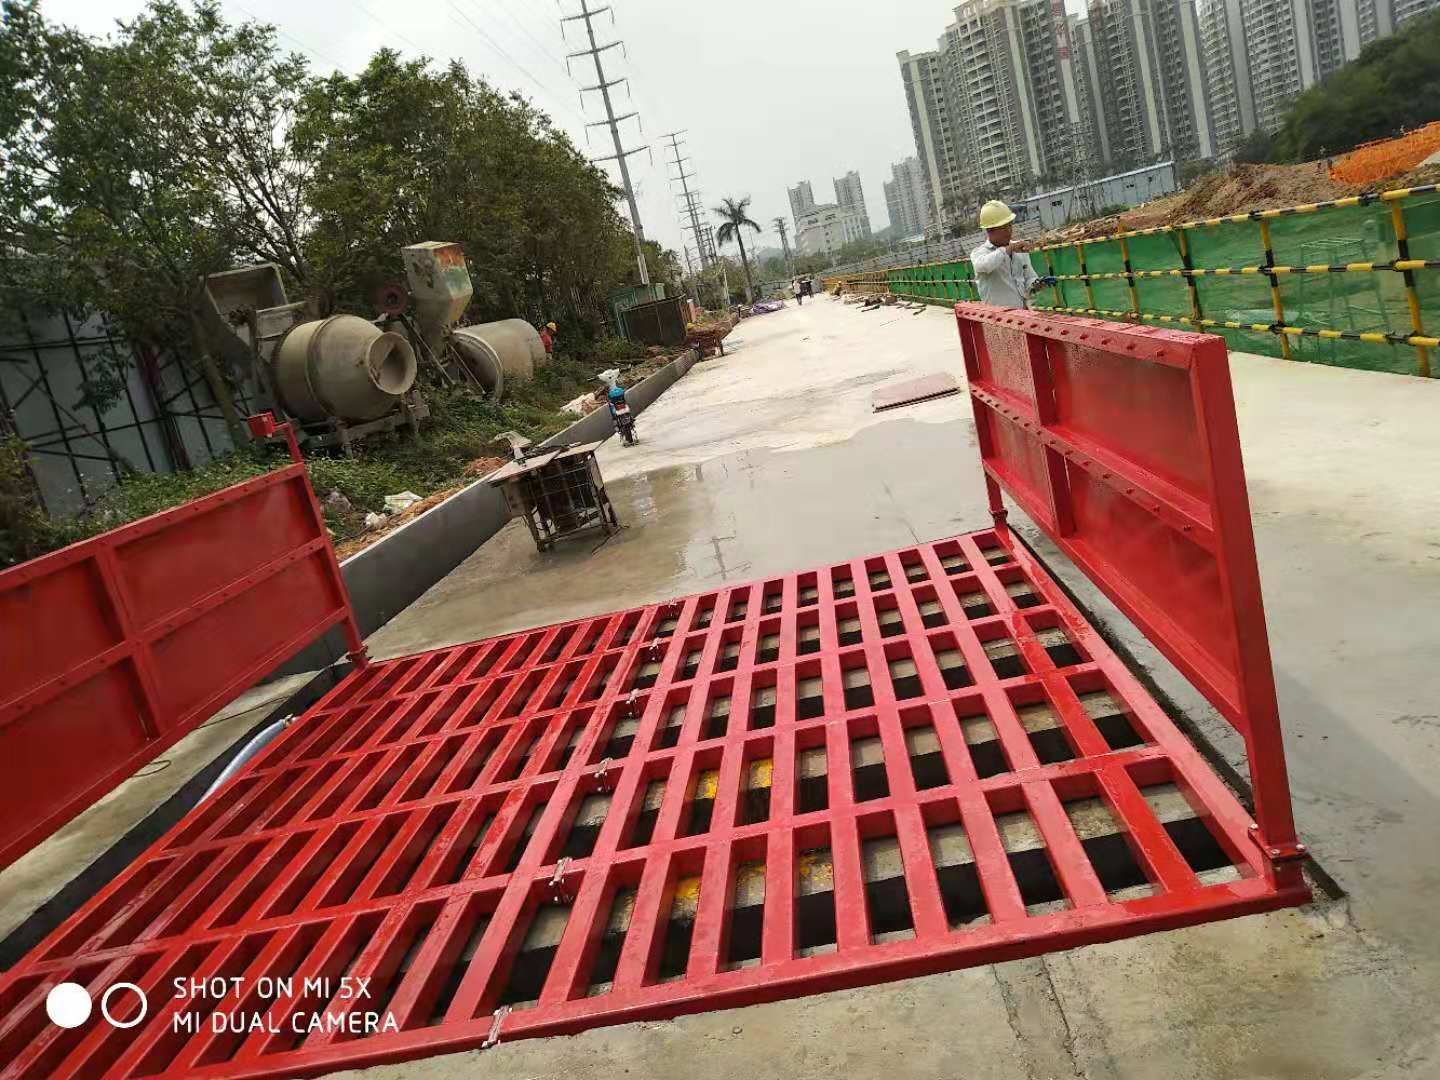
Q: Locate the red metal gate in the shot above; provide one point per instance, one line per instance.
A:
(118, 646)
(901, 764)
(1120, 442)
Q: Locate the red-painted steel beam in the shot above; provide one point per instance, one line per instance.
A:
(1136, 426)
(414, 826)
(118, 646)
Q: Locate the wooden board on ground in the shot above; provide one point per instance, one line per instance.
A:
(911, 391)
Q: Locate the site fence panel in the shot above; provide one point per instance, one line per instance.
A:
(1354, 282)
(121, 644)
(1121, 443)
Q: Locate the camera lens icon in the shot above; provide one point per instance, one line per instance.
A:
(69, 1004)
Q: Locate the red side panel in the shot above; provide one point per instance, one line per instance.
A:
(117, 646)
(1121, 443)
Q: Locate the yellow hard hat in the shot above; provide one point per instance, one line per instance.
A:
(551, 326)
(994, 214)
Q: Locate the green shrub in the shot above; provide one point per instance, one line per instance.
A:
(612, 351)
(462, 427)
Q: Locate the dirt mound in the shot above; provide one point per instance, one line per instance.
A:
(1235, 190)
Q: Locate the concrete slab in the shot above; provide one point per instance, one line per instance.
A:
(770, 460)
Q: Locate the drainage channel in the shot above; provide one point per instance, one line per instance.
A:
(908, 763)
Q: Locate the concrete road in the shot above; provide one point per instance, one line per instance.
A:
(770, 460)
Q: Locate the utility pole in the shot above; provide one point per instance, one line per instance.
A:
(612, 121)
(691, 199)
(785, 244)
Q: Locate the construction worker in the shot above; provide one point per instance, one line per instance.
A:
(547, 337)
(1003, 274)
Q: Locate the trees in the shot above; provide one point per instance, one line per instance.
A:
(1255, 148)
(734, 215)
(404, 152)
(138, 165)
(183, 144)
(1392, 87)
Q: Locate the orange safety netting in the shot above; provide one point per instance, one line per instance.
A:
(1380, 160)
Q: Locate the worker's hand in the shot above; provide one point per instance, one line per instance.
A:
(1017, 247)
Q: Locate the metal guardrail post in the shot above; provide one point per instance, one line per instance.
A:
(1130, 277)
(1050, 266)
(1196, 313)
(1275, 299)
(1402, 243)
(1085, 274)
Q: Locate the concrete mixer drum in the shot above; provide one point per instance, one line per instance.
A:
(342, 367)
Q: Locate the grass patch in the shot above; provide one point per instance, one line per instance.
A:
(462, 428)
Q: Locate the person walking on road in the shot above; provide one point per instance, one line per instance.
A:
(1003, 274)
(798, 289)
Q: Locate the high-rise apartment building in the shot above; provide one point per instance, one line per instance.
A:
(905, 198)
(850, 194)
(996, 106)
(1222, 45)
(1262, 54)
(923, 76)
(1017, 92)
(1149, 62)
(802, 198)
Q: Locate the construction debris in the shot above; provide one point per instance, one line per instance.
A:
(925, 388)
(706, 337)
(1242, 188)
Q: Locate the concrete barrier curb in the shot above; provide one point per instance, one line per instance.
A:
(395, 571)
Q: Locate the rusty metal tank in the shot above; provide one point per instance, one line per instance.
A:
(343, 367)
(512, 344)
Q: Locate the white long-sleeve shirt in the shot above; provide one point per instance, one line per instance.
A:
(1002, 278)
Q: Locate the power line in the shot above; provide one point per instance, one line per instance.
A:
(291, 37)
(520, 25)
(391, 30)
(500, 49)
(612, 121)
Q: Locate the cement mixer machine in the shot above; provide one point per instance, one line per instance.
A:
(340, 378)
(345, 377)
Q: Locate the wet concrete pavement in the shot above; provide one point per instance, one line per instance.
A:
(770, 461)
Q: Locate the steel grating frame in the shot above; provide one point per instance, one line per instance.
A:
(412, 828)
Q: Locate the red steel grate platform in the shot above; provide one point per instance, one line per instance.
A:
(903, 764)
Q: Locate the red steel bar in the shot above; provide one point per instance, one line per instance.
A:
(901, 764)
(118, 646)
(1120, 442)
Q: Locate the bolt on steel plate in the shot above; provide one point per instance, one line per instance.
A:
(903, 764)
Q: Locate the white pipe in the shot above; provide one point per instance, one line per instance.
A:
(248, 751)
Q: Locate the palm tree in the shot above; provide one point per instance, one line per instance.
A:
(735, 215)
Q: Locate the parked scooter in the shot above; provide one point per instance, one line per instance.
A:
(620, 413)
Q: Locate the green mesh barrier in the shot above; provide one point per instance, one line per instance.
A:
(1352, 302)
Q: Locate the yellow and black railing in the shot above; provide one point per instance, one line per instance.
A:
(1325, 282)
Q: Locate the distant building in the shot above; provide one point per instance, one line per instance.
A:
(996, 105)
(1260, 55)
(1051, 209)
(802, 198)
(1017, 93)
(826, 228)
(923, 76)
(905, 199)
(1150, 63)
(849, 193)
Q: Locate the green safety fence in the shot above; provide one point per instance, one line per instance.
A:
(1351, 282)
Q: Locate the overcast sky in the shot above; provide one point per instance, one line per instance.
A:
(770, 92)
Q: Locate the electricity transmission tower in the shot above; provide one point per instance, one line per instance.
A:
(785, 244)
(611, 120)
(691, 200)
